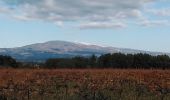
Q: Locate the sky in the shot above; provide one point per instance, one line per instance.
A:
(136, 24)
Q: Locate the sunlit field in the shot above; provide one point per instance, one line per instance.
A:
(84, 84)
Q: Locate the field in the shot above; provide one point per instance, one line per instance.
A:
(84, 84)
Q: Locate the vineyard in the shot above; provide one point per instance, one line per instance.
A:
(84, 84)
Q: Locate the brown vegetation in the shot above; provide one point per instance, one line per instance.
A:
(28, 84)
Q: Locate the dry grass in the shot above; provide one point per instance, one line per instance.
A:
(149, 77)
(96, 79)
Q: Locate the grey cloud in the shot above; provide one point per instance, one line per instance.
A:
(98, 11)
(73, 9)
(5, 10)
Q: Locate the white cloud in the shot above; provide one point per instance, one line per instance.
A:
(59, 23)
(21, 17)
(99, 25)
(151, 23)
(160, 12)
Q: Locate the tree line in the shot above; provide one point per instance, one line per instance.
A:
(116, 60)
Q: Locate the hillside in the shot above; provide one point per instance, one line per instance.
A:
(63, 49)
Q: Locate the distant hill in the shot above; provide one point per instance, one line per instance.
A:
(63, 49)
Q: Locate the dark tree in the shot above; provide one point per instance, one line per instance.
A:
(7, 61)
(116, 60)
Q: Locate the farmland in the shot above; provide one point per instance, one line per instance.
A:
(84, 84)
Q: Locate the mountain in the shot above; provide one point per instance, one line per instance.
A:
(63, 49)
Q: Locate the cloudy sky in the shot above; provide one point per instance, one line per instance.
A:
(137, 24)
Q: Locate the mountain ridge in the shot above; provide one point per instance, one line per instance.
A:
(64, 49)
